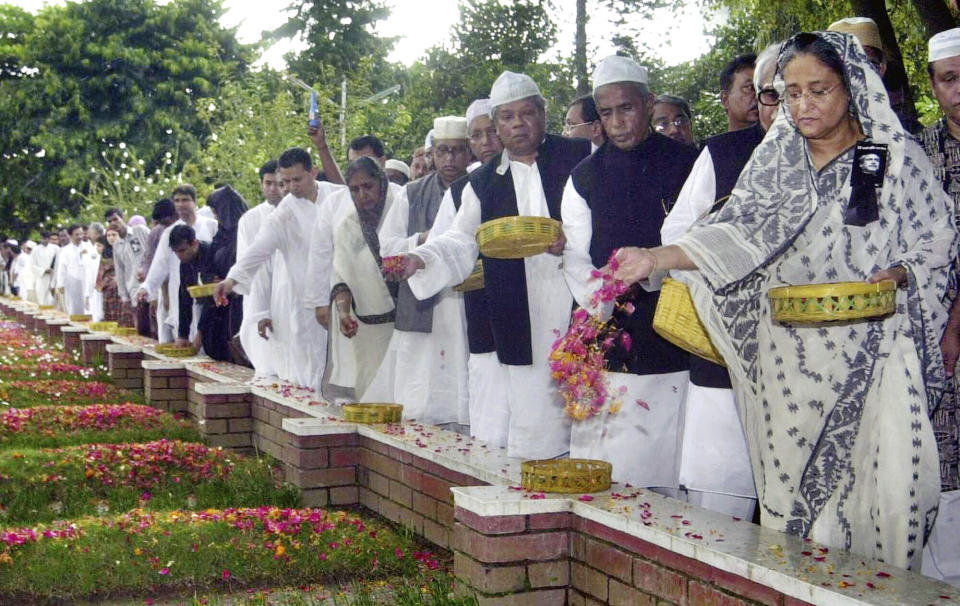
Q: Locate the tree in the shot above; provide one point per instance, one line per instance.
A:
(105, 71)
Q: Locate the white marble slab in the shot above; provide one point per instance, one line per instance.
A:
(213, 388)
(120, 348)
(158, 364)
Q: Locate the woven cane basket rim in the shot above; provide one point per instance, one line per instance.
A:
(676, 320)
(474, 281)
(102, 326)
(832, 302)
(565, 475)
(517, 237)
(80, 317)
(171, 350)
(372, 413)
(202, 290)
(46, 307)
(123, 331)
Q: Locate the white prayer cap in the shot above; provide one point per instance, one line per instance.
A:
(944, 45)
(428, 142)
(863, 29)
(480, 107)
(12, 242)
(29, 244)
(510, 87)
(398, 165)
(615, 69)
(450, 127)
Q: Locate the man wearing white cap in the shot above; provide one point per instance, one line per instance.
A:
(528, 299)
(941, 141)
(425, 367)
(43, 258)
(617, 197)
(27, 275)
(484, 143)
(397, 171)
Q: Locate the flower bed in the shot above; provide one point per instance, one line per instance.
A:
(55, 426)
(145, 552)
(45, 485)
(46, 392)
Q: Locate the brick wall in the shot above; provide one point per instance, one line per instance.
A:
(94, 347)
(165, 388)
(123, 364)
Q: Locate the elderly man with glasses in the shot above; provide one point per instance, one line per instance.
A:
(672, 117)
(582, 121)
(714, 464)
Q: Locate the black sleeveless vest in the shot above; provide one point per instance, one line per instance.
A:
(504, 279)
(479, 334)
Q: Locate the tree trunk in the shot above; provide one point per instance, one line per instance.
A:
(580, 51)
(896, 77)
(935, 15)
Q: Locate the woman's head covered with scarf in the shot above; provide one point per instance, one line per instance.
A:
(368, 185)
(229, 206)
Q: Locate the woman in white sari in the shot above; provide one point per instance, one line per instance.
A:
(836, 415)
(364, 301)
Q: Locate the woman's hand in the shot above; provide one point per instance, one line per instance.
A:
(950, 346)
(898, 274)
(348, 326)
(634, 264)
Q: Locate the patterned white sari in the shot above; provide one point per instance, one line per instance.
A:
(836, 414)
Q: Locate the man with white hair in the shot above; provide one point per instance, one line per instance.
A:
(941, 141)
(397, 171)
(715, 465)
(617, 197)
(425, 367)
(527, 298)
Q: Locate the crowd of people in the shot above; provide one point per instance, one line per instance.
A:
(345, 283)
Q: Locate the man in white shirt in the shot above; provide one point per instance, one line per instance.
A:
(71, 274)
(128, 253)
(288, 231)
(43, 258)
(166, 265)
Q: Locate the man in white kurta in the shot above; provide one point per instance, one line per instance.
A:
(71, 273)
(43, 257)
(425, 367)
(92, 298)
(287, 230)
(537, 427)
(266, 309)
(166, 265)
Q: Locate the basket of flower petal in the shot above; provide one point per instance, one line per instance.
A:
(199, 291)
(393, 267)
(372, 413)
(833, 302)
(676, 320)
(517, 237)
(474, 281)
(124, 331)
(80, 317)
(173, 351)
(46, 307)
(102, 326)
(565, 475)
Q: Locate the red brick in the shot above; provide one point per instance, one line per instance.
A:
(156, 382)
(381, 464)
(242, 425)
(314, 497)
(304, 458)
(337, 439)
(214, 426)
(425, 505)
(390, 510)
(445, 514)
(177, 382)
(452, 477)
(549, 521)
(658, 581)
(549, 574)
(401, 493)
(589, 581)
(788, 601)
(436, 488)
(547, 597)
(379, 484)
(489, 579)
(624, 595)
(490, 524)
(370, 499)
(741, 586)
(320, 478)
(436, 534)
(230, 440)
(705, 595)
(609, 559)
(513, 548)
(411, 476)
(575, 598)
(344, 495)
(341, 457)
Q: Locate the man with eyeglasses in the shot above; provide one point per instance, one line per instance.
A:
(425, 367)
(582, 121)
(737, 94)
(672, 117)
(715, 470)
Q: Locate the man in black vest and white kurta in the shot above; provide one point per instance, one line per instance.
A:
(617, 196)
(425, 367)
(528, 299)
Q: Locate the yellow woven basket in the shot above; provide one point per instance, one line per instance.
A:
(372, 413)
(565, 475)
(202, 290)
(474, 281)
(169, 349)
(45, 307)
(517, 237)
(102, 326)
(80, 317)
(123, 331)
(676, 320)
(833, 302)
